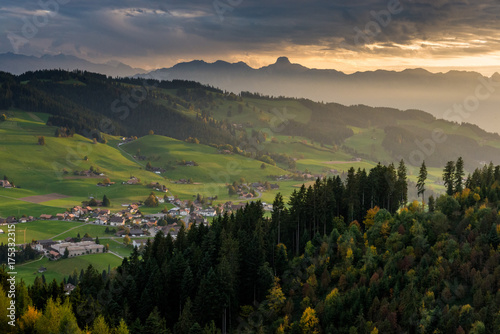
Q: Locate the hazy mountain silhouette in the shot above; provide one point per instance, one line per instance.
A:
(18, 64)
(436, 93)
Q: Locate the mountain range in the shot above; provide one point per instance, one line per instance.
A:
(18, 64)
(459, 96)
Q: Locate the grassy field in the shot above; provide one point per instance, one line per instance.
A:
(63, 268)
(38, 170)
(40, 230)
(369, 143)
(91, 229)
(116, 245)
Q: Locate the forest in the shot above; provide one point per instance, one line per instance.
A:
(339, 257)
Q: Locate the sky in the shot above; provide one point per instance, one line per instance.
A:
(347, 35)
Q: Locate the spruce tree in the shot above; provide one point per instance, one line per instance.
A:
(459, 174)
(422, 177)
(449, 177)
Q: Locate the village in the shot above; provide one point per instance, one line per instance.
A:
(128, 223)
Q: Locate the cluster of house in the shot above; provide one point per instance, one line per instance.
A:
(55, 250)
(130, 213)
(132, 180)
(13, 220)
(158, 187)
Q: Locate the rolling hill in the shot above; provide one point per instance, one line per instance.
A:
(229, 136)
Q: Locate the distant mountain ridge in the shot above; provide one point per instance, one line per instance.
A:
(418, 88)
(18, 64)
(452, 95)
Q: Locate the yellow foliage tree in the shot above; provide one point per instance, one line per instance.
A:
(57, 318)
(28, 320)
(309, 322)
(414, 206)
(100, 326)
(122, 328)
(276, 297)
(370, 217)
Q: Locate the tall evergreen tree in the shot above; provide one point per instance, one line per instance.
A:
(105, 201)
(459, 174)
(402, 184)
(449, 177)
(422, 177)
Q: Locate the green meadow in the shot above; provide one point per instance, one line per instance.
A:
(60, 269)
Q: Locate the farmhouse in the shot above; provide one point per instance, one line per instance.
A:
(139, 242)
(78, 248)
(54, 255)
(44, 216)
(115, 221)
(68, 288)
(208, 212)
(136, 232)
(46, 244)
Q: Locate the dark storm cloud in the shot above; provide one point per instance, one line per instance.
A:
(129, 28)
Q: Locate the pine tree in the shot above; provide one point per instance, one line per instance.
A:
(459, 174)
(422, 177)
(105, 201)
(402, 184)
(448, 177)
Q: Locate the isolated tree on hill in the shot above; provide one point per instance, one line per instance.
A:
(148, 166)
(3, 118)
(422, 177)
(448, 177)
(151, 132)
(459, 174)
(151, 201)
(41, 140)
(105, 201)
(126, 240)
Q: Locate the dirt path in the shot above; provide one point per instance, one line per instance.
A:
(55, 236)
(25, 263)
(111, 252)
(130, 155)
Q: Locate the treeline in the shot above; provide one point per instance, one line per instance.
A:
(24, 254)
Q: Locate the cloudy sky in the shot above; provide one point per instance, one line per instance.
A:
(347, 35)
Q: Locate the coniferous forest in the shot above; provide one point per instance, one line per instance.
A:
(339, 257)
